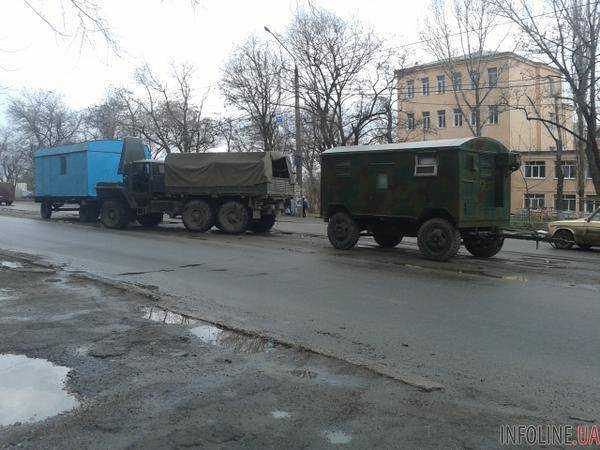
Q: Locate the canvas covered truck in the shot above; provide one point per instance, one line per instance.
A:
(66, 176)
(442, 192)
(7, 193)
(232, 191)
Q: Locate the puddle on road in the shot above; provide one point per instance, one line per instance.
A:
(337, 437)
(32, 390)
(11, 264)
(167, 317)
(277, 414)
(209, 333)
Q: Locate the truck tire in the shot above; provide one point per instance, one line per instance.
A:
(114, 214)
(342, 231)
(198, 216)
(46, 210)
(438, 239)
(484, 247)
(387, 240)
(233, 217)
(88, 213)
(150, 220)
(264, 224)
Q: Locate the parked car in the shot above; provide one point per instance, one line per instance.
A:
(7, 194)
(583, 232)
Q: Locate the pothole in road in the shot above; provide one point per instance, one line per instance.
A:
(210, 334)
(32, 389)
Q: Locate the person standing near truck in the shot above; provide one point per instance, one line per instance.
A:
(305, 206)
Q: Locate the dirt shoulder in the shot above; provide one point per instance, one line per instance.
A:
(148, 378)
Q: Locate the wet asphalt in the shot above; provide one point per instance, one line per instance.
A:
(516, 333)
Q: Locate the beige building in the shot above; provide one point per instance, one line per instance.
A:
(492, 96)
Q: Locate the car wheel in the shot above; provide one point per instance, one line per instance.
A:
(233, 217)
(342, 231)
(484, 247)
(115, 214)
(387, 240)
(46, 210)
(263, 225)
(198, 216)
(438, 239)
(565, 240)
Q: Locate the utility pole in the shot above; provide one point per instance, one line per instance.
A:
(298, 124)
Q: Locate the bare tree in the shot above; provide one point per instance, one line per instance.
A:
(14, 162)
(567, 36)
(343, 75)
(252, 82)
(170, 118)
(43, 118)
(107, 119)
(458, 34)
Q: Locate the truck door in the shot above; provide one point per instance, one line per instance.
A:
(470, 184)
(487, 186)
(381, 188)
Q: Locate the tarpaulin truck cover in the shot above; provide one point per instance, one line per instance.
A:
(220, 169)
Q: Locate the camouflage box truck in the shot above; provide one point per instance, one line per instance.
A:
(439, 191)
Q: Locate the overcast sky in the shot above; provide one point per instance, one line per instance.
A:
(160, 31)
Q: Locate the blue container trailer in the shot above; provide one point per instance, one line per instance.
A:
(68, 174)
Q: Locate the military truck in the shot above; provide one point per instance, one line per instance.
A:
(439, 191)
(7, 193)
(234, 191)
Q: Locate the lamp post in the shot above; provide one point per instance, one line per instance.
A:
(298, 149)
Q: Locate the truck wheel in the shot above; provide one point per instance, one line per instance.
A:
(438, 239)
(46, 210)
(198, 216)
(567, 240)
(484, 247)
(342, 231)
(264, 224)
(387, 240)
(88, 213)
(233, 217)
(114, 214)
(150, 220)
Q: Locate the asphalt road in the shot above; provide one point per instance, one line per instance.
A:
(517, 332)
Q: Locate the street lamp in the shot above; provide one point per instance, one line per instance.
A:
(298, 151)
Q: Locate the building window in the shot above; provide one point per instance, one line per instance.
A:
(441, 118)
(474, 77)
(425, 84)
(63, 165)
(569, 169)
(534, 169)
(410, 89)
(569, 202)
(410, 121)
(591, 204)
(493, 115)
(456, 81)
(588, 172)
(534, 201)
(473, 117)
(492, 76)
(552, 120)
(441, 84)
(426, 122)
(426, 165)
(457, 117)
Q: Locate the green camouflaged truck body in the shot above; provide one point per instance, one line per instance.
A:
(464, 180)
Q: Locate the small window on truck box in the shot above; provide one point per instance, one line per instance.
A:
(426, 165)
(63, 165)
